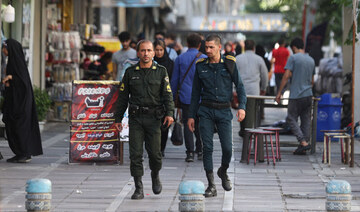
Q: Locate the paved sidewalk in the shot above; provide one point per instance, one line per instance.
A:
(297, 183)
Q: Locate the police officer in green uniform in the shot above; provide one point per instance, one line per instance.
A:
(145, 87)
(212, 85)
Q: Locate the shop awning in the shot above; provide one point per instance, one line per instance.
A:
(127, 3)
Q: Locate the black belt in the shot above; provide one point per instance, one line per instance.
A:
(215, 105)
(134, 109)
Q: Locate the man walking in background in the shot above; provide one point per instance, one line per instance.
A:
(254, 75)
(181, 82)
(122, 55)
(279, 58)
(300, 67)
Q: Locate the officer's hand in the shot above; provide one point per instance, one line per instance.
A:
(118, 126)
(240, 115)
(191, 124)
(169, 120)
(277, 99)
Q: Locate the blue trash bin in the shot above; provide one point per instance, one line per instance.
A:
(328, 114)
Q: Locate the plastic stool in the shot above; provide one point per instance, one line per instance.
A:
(327, 146)
(255, 133)
(277, 139)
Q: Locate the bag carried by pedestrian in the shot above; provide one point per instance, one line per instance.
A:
(177, 99)
(177, 137)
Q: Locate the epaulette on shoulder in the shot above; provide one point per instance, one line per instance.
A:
(200, 60)
(229, 57)
(134, 66)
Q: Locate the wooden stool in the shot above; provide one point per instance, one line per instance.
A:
(277, 139)
(255, 133)
(327, 146)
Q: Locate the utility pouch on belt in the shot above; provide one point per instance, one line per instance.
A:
(160, 112)
(133, 109)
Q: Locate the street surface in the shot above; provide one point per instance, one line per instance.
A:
(297, 183)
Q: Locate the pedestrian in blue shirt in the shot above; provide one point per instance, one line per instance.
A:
(213, 85)
(181, 82)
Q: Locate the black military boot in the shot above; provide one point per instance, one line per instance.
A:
(225, 181)
(211, 189)
(189, 157)
(156, 184)
(139, 193)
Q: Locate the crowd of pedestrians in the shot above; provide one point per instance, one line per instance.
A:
(204, 78)
(201, 78)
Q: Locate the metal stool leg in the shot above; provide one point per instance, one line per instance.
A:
(272, 149)
(249, 147)
(256, 142)
(267, 151)
(278, 153)
(347, 142)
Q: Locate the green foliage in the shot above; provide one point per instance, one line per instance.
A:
(349, 39)
(293, 15)
(330, 11)
(346, 3)
(262, 6)
(43, 103)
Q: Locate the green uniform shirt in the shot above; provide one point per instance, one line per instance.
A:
(148, 87)
(213, 82)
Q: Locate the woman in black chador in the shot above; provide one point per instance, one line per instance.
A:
(19, 112)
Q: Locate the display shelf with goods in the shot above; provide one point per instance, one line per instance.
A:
(62, 61)
(94, 48)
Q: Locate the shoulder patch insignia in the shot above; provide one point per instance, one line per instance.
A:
(137, 68)
(122, 87)
(154, 67)
(229, 57)
(200, 60)
(168, 89)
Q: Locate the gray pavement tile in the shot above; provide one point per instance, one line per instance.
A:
(293, 171)
(309, 172)
(308, 204)
(276, 170)
(263, 171)
(299, 180)
(343, 172)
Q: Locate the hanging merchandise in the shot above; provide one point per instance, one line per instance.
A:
(62, 59)
(8, 14)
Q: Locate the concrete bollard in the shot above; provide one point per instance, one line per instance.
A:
(191, 196)
(338, 196)
(38, 197)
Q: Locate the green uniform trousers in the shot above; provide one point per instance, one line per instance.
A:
(222, 118)
(144, 128)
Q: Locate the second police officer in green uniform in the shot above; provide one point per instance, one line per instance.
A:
(146, 89)
(212, 85)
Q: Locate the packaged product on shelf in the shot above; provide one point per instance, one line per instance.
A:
(75, 56)
(67, 56)
(67, 74)
(61, 73)
(67, 91)
(66, 37)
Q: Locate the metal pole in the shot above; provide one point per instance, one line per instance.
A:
(353, 97)
(0, 30)
(314, 125)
